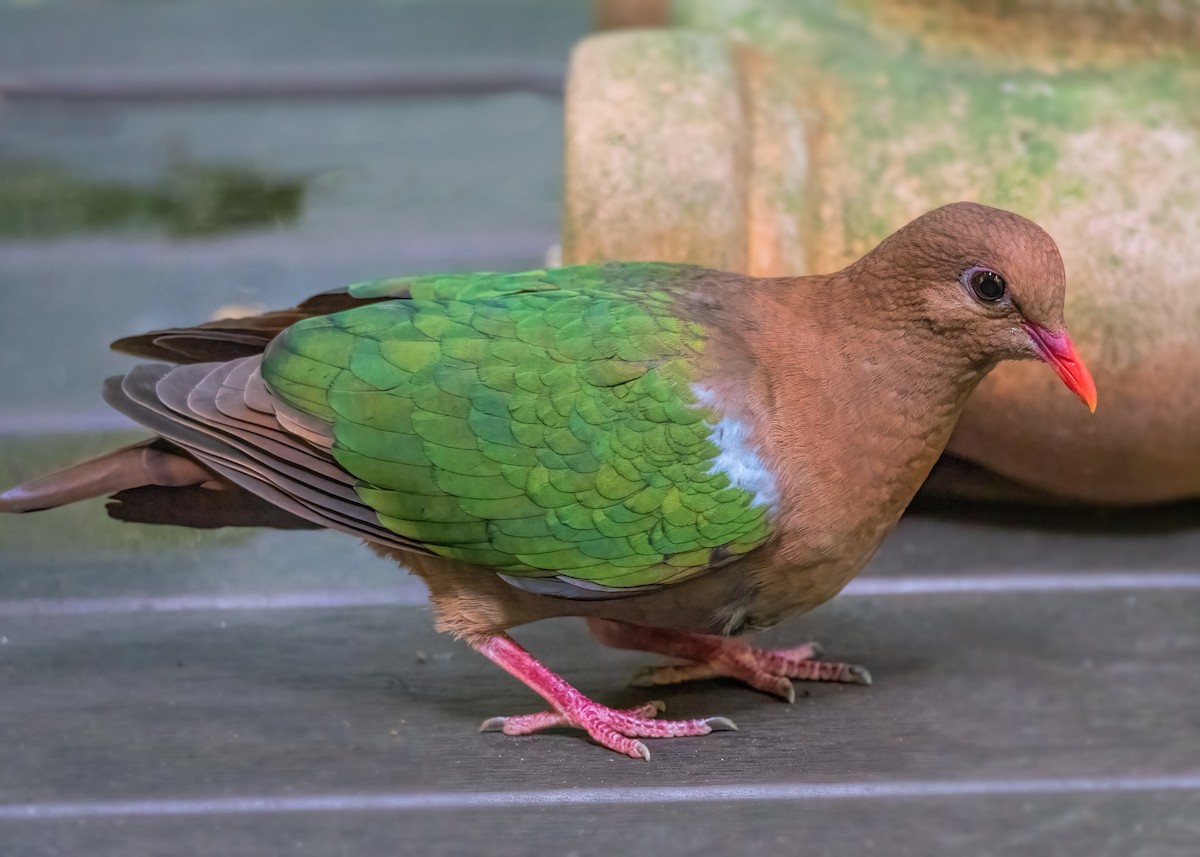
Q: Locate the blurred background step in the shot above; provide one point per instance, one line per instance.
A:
(154, 39)
(116, 219)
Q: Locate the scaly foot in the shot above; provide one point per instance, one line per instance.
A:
(612, 728)
(707, 656)
(615, 729)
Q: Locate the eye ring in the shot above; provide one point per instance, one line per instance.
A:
(985, 284)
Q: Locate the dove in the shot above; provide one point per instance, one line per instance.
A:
(675, 454)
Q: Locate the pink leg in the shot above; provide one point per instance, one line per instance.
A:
(614, 729)
(770, 671)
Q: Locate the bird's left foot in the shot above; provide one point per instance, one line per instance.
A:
(707, 656)
(768, 670)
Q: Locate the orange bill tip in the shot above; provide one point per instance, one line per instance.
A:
(1057, 349)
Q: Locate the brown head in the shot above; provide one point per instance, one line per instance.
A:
(989, 277)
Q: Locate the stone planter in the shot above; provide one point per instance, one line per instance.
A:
(790, 138)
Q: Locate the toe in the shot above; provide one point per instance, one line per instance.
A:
(776, 685)
(613, 740)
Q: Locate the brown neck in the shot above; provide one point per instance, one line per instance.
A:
(864, 396)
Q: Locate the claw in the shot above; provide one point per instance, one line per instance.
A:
(493, 724)
(857, 675)
(721, 724)
(789, 691)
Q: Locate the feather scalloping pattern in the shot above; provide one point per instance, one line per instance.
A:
(539, 424)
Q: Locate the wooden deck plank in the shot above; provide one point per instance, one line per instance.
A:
(1163, 824)
(236, 703)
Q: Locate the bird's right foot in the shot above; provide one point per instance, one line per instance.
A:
(615, 729)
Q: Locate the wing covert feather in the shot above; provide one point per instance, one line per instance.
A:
(543, 424)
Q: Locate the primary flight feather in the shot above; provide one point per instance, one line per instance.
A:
(675, 453)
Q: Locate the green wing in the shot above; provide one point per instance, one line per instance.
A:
(538, 424)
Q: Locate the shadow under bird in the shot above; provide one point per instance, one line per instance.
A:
(674, 453)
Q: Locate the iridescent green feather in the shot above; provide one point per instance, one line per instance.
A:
(539, 423)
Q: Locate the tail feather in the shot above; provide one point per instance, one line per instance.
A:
(162, 480)
(151, 462)
(207, 508)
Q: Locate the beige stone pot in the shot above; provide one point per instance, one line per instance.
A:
(790, 138)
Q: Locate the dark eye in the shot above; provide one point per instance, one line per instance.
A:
(987, 285)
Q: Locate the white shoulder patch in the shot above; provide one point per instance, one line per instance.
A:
(738, 459)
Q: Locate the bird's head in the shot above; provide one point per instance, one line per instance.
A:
(990, 278)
